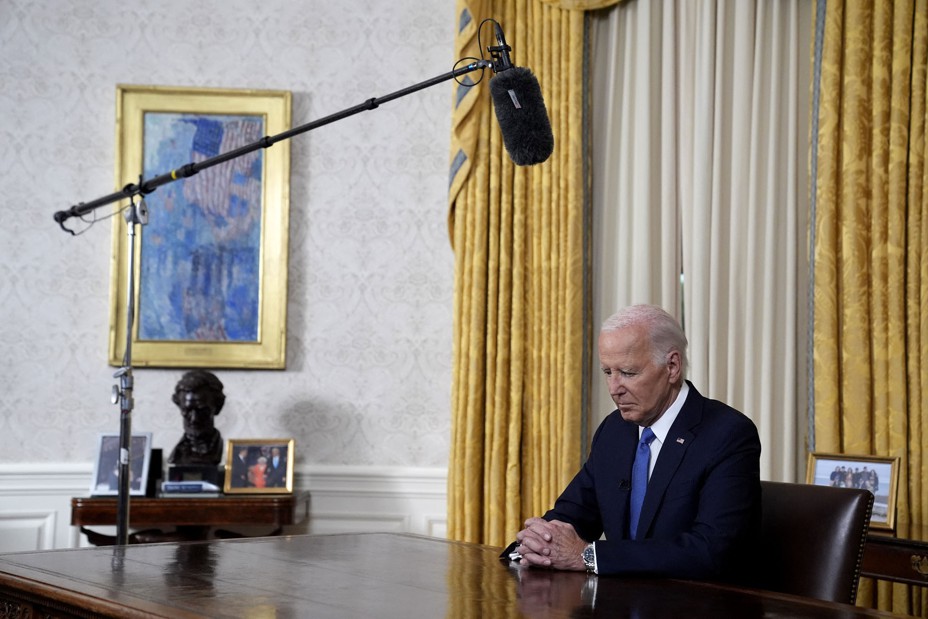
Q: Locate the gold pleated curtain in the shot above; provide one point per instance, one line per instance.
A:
(521, 304)
(870, 258)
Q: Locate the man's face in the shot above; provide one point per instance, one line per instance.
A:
(641, 389)
(197, 410)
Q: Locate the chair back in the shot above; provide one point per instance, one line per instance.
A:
(812, 539)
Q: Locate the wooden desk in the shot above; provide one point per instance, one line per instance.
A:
(192, 518)
(902, 557)
(356, 575)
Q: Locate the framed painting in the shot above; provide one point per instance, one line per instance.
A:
(878, 475)
(211, 262)
(259, 466)
(106, 466)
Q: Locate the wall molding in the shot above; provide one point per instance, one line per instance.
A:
(44, 479)
(35, 501)
(349, 499)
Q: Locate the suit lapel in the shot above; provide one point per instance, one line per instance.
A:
(673, 450)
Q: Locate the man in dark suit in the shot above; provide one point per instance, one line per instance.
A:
(240, 465)
(701, 508)
(276, 469)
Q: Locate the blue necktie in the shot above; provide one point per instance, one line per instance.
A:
(640, 478)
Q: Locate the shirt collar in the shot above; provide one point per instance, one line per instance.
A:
(661, 427)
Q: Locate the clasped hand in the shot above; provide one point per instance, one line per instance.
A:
(553, 544)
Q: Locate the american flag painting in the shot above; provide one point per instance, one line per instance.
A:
(201, 250)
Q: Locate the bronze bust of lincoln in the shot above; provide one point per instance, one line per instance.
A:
(199, 396)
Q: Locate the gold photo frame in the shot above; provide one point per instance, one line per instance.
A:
(879, 475)
(211, 262)
(251, 466)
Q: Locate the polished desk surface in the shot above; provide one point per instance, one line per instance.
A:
(900, 556)
(363, 575)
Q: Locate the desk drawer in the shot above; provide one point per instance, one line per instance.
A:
(889, 560)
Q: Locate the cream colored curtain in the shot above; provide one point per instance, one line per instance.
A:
(870, 257)
(521, 313)
(699, 171)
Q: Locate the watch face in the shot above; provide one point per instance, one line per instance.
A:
(588, 557)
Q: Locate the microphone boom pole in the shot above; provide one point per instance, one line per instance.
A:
(145, 187)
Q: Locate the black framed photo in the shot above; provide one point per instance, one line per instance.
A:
(106, 466)
(878, 475)
(259, 466)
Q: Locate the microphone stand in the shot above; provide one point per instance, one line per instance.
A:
(137, 216)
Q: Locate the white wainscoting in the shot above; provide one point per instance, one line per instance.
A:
(35, 502)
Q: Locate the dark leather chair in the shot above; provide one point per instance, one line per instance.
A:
(812, 539)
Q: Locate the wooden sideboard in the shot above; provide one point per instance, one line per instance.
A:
(191, 518)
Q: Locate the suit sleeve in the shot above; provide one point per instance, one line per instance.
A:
(579, 504)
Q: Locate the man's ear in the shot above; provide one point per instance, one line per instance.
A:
(674, 366)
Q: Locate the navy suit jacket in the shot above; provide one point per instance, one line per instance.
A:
(701, 512)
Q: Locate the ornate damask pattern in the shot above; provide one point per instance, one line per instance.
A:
(371, 268)
(521, 291)
(869, 251)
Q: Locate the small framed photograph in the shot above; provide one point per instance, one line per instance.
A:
(106, 466)
(878, 475)
(259, 466)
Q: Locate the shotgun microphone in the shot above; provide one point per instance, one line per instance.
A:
(520, 108)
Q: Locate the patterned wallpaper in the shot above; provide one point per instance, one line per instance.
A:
(371, 268)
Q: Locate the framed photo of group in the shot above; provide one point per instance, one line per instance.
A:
(259, 466)
(878, 475)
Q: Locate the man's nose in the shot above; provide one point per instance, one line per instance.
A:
(197, 412)
(615, 383)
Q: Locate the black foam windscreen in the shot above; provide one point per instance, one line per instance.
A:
(522, 116)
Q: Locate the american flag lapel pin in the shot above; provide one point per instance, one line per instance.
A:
(680, 440)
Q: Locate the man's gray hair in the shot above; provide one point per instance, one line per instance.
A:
(665, 332)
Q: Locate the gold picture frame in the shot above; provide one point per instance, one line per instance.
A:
(250, 468)
(211, 263)
(879, 475)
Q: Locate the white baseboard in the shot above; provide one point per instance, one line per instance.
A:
(347, 499)
(35, 502)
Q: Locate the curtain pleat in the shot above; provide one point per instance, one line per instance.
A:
(869, 256)
(521, 261)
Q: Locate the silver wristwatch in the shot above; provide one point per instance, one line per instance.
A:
(589, 558)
